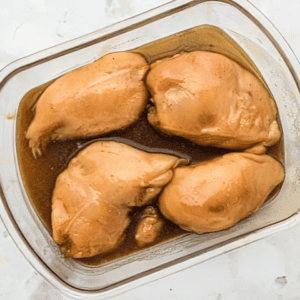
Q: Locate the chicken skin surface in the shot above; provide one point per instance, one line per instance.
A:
(106, 95)
(216, 194)
(94, 195)
(149, 227)
(212, 101)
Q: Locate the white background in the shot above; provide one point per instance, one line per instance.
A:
(267, 269)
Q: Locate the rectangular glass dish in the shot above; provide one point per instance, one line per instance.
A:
(234, 28)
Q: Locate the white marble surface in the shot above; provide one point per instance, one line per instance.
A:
(268, 269)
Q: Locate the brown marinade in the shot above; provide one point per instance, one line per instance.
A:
(39, 175)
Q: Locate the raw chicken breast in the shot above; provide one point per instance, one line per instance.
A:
(149, 227)
(212, 101)
(106, 95)
(94, 195)
(216, 194)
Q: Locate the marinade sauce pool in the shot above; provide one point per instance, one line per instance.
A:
(39, 175)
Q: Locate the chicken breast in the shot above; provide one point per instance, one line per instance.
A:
(149, 227)
(216, 194)
(94, 195)
(106, 95)
(212, 101)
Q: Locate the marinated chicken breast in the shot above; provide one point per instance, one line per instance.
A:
(216, 194)
(106, 95)
(149, 227)
(94, 195)
(212, 101)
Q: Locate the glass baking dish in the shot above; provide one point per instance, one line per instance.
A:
(267, 55)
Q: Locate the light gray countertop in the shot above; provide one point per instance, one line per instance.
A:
(266, 269)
